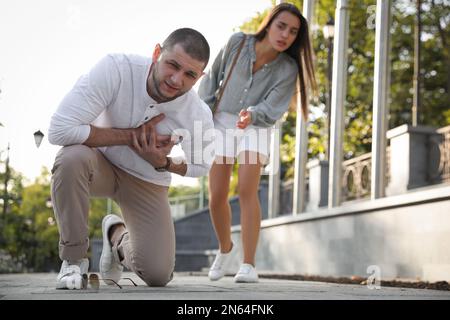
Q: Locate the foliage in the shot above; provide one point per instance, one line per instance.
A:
(435, 62)
(181, 190)
(8, 249)
(30, 233)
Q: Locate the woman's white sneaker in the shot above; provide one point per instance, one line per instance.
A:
(247, 273)
(218, 268)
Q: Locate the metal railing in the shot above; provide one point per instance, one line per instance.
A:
(184, 205)
(357, 176)
(357, 171)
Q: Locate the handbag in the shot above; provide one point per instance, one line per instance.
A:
(221, 89)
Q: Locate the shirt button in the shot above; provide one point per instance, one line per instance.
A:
(146, 118)
(151, 106)
(245, 90)
(240, 101)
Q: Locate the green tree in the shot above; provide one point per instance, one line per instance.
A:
(435, 63)
(9, 250)
(30, 231)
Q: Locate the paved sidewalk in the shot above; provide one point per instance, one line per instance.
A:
(188, 287)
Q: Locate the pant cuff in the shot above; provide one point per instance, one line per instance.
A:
(74, 251)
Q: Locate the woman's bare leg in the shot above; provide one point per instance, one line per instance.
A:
(219, 208)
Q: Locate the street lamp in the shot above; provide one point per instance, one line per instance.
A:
(38, 136)
(417, 75)
(5, 195)
(202, 196)
(328, 33)
(328, 29)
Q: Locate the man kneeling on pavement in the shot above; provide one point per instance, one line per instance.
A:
(117, 127)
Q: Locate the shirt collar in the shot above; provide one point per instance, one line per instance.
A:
(251, 48)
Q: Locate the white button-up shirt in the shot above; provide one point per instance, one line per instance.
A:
(114, 94)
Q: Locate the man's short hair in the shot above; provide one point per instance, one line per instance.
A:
(192, 41)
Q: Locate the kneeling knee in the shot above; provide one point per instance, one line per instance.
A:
(155, 278)
(154, 275)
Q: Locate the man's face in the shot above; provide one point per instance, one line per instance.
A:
(173, 73)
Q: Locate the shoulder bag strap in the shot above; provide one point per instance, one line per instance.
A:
(222, 87)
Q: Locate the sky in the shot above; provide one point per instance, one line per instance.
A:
(46, 45)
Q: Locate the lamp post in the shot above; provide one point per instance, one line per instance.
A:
(202, 196)
(417, 76)
(5, 190)
(5, 195)
(38, 136)
(328, 34)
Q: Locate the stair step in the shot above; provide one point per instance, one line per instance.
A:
(193, 260)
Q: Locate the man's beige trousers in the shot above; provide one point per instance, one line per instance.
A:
(148, 247)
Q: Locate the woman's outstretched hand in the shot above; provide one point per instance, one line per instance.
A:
(245, 118)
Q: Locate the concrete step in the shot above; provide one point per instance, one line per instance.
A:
(193, 260)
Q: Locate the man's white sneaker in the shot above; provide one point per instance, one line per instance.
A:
(73, 276)
(247, 273)
(110, 266)
(219, 265)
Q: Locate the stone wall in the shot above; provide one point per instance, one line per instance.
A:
(405, 236)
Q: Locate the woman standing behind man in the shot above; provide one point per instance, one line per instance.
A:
(263, 70)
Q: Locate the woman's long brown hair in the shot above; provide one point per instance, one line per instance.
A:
(300, 50)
